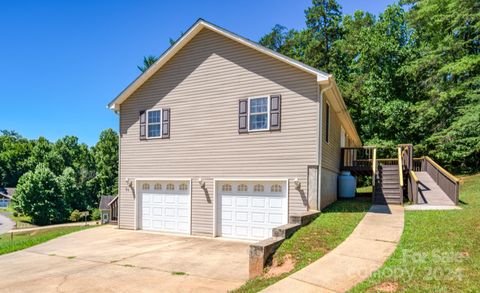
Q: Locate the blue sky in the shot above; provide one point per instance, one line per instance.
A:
(61, 62)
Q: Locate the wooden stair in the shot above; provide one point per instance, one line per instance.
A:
(387, 186)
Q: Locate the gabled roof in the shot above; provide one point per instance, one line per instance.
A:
(185, 39)
(7, 192)
(105, 202)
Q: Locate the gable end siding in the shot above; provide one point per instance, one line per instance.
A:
(202, 85)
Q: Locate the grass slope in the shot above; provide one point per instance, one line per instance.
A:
(313, 241)
(25, 240)
(439, 250)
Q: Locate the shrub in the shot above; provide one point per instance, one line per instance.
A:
(96, 214)
(75, 216)
(15, 214)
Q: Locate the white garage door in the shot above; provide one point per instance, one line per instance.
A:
(249, 210)
(165, 206)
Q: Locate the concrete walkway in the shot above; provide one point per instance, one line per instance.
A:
(362, 253)
(5, 224)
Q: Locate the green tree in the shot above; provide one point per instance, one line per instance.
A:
(147, 62)
(446, 70)
(71, 191)
(106, 161)
(37, 196)
(14, 153)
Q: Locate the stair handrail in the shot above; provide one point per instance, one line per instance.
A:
(400, 166)
(445, 172)
(451, 184)
(414, 186)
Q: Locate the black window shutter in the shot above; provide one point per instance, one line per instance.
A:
(243, 115)
(143, 125)
(275, 112)
(166, 123)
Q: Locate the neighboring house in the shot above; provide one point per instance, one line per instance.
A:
(109, 208)
(6, 195)
(224, 137)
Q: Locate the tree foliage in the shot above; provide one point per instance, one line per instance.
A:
(37, 196)
(147, 62)
(409, 75)
(66, 174)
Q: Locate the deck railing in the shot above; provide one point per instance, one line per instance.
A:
(444, 179)
(360, 158)
(412, 187)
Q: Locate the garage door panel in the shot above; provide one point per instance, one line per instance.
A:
(170, 199)
(258, 202)
(241, 216)
(258, 232)
(165, 210)
(258, 217)
(241, 202)
(157, 198)
(157, 211)
(146, 223)
(241, 231)
(249, 210)
(227, 215)
(170, 225)
(275, 219)
(183, 199)
(227, 201)
(156, 224)
(275, 203)
(183, 213)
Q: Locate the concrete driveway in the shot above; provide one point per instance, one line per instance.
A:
(106, 259)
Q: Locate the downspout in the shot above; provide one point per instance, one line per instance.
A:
(320, 140)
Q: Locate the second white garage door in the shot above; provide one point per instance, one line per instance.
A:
(165, 206)
(249, 210)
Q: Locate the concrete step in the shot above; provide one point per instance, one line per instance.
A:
(286, 230)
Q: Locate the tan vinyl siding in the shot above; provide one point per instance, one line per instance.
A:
(331, 150)
(201, 85)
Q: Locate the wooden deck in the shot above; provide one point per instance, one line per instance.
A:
(430, 193)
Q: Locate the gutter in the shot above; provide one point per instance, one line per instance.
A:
(320, 136)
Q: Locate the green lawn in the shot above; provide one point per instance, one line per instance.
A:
(439, 250)
(24, 240)
(315, 240)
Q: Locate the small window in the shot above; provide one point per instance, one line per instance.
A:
(327, 122)
(258, 113)
(157, 186)
(242, 188)
(183, 186)
(258, 188)
(170, 186)
(154, 123)
(146, 186)
(226, 187)
(276, 188)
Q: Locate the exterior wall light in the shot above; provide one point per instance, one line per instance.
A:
(201, 182)
(128, 182)
(297, 183)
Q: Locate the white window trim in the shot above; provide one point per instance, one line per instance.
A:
(161, 123)
(328, 114)
(268, 113)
